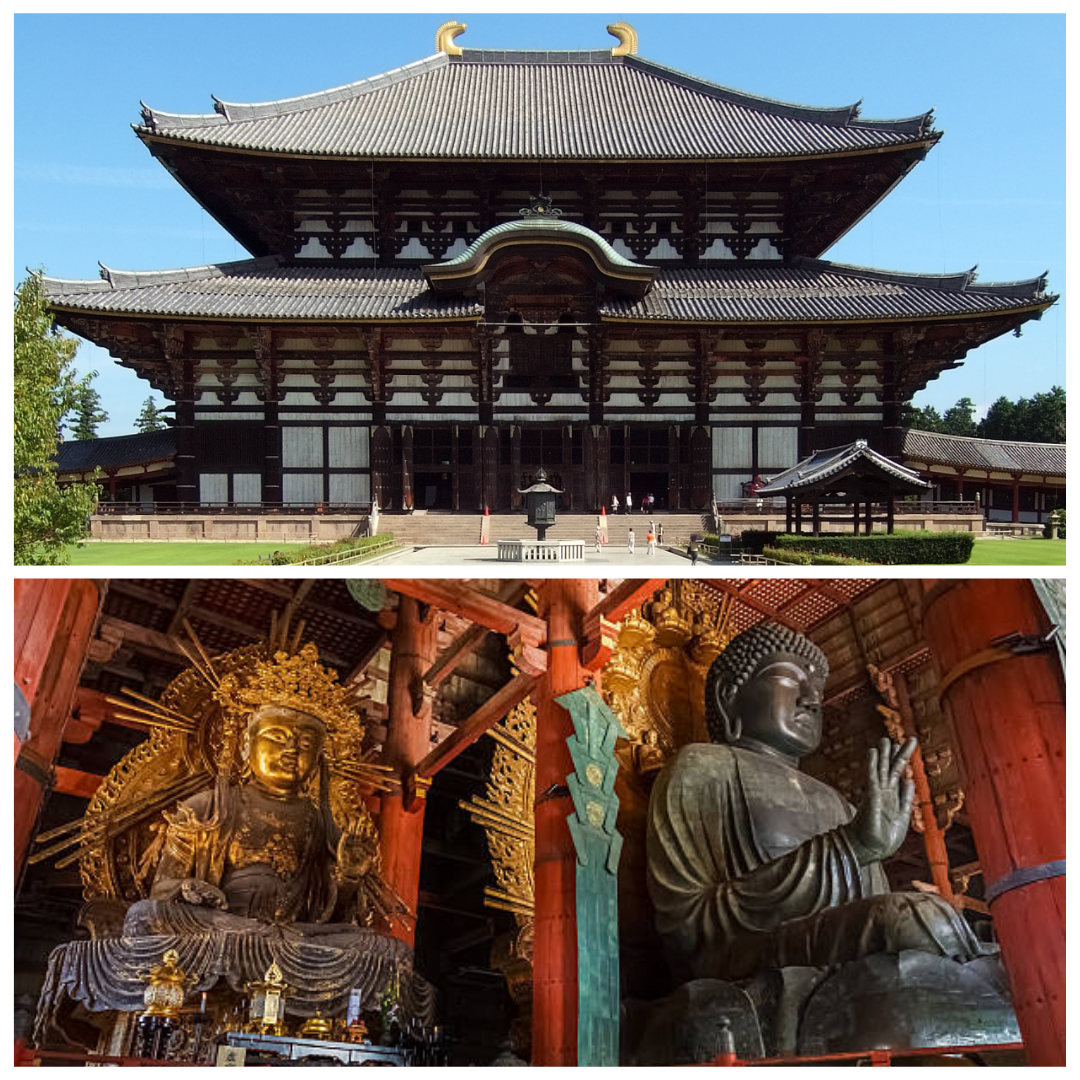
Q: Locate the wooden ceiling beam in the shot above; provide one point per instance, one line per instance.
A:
(624, 597)
(468, 731)
(460, 598)
(467, 643)
(186, 600)
(763, 609)
(82, 785)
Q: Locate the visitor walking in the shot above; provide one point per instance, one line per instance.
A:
(660, 533)
(630, 541)
(629, 503)
(691, 549)
(651, 540)
(599, 539)
(614, 504)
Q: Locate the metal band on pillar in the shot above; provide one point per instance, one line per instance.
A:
(1024, 875)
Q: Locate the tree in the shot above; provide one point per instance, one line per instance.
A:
(151, 417)
(87, 413)
(960, 419)
(47, 517)
(1040, 418)
(926, 419)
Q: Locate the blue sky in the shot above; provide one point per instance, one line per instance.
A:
(991, 193)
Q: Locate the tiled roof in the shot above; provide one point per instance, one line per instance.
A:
(812, 289)
(809, 290)
(929, 447)
(263, 288)
(825, 464)
(495, 104)
(115, 452)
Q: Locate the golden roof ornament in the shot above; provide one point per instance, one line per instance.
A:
(627, 36)
(444, 37)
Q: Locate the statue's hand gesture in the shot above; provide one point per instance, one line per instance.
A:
(354, 854)
(881, 822)
(202, 893)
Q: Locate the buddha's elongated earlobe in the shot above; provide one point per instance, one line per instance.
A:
(730, 720)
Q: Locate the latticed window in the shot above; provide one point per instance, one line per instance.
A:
(541, 446)
(648, 446)
(432, 446)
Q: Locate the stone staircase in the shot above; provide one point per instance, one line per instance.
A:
(445, 529)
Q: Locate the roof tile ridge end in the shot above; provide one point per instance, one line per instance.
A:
(237, 112)
(134, 279)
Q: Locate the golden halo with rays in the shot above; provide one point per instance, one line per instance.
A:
(197, 726)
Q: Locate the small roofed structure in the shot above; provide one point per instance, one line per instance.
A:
(853, 474)
(136, 468)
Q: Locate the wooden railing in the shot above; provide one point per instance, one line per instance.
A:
(380, 547)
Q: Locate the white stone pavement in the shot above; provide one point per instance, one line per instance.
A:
(610, 555)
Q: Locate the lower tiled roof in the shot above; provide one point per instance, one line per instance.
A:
(929, 447)
(115, 452)
(824, 464)
(809, 290)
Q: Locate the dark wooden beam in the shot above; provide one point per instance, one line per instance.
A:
(740, 594)
(468, 642)
(182, 608)
(468, 731)
(463, 599)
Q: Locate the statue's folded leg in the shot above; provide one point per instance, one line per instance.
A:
(890, 923)
(163, 917)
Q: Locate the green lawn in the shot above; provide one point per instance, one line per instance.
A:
(206, 553)
(1030, 552)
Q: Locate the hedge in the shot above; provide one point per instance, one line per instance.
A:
(810, 558)
(900, 548)
(286, 558)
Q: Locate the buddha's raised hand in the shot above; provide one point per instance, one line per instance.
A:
(881, 822)
(354, 854)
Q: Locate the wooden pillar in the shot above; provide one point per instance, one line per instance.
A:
(564, 603)
(517, 502)
(817, 516)
(855, 517)
(407, 494)
(798, 514)
(869, 517)
(1016, 497)
(53, 624)
(1008, 714)
(408, 739)
(891, 512)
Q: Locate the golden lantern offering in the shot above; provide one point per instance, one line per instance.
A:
(166, 987)
(317, 1027)
(267, 1011)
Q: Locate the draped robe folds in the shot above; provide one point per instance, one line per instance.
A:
(749, 869)
(274, 861)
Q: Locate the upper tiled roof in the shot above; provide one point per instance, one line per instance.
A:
(807, 291)
(929, 447)
(825, 464)
(493, 104)
(115, 452)
(812, 289)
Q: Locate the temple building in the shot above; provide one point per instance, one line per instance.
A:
(489, 261)
(502, 793)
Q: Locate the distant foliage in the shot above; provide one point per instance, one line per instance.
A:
(87, 415)
(151, 418)
(1038, 419)
(47, 517)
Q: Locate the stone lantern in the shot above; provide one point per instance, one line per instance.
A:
(540, 504)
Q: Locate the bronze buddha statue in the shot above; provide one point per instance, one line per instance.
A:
(754, 867)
